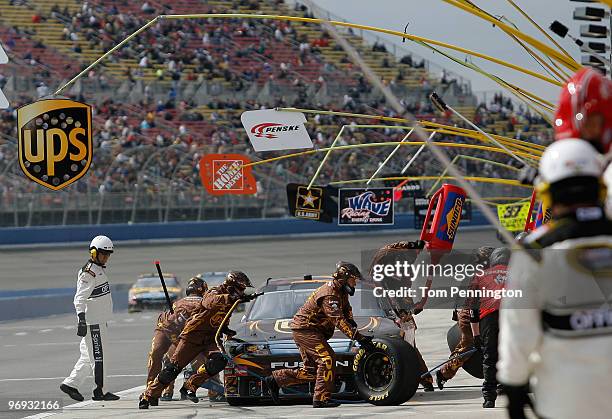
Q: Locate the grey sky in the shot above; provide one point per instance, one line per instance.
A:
(435, 19)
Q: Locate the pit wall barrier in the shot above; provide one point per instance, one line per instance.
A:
(46, 235)
(25, 304)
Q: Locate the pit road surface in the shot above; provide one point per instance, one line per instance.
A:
(35, 355)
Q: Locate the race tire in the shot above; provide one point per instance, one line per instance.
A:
(473, 365)
(388, 376)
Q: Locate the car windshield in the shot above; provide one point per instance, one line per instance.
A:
(155, 282)
(284, 304)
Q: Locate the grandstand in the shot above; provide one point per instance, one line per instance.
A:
(177, 91)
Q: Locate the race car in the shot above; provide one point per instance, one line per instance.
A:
(147, 292)
(264, 343)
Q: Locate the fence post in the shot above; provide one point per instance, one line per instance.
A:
(201, 204)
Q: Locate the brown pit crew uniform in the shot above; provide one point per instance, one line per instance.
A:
(169, 327)
(466, 343)
(197, 336)
(403, 306)
(313, 325)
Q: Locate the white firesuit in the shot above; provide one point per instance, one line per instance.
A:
(559, 333)
(93, 297)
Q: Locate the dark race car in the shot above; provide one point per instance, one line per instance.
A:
(264, 343)
(148, 293)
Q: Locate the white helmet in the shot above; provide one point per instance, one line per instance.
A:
(570, 172)
(101, 243)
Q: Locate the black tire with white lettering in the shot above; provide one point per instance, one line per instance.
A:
(388, 376)
(473, 365)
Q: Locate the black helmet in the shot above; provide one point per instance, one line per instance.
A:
(500, 256)
(237, 279)
(346, 270)
(196, 285)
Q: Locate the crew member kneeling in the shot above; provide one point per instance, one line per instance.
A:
(313, 325)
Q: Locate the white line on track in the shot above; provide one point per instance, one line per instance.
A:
(21, 333)
(45, 330)
(61, 378)
(85, 403)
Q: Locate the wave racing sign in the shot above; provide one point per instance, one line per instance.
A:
(372, 206)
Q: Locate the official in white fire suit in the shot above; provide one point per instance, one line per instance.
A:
(94, 307)
(557, 336)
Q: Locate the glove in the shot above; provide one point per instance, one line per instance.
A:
(518, 398)
(478, 343)
(366, 343)
(352, 322)
(228, 332)
(416, 311)
(82, 325)
(248, 297)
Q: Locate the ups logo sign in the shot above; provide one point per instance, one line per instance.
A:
(55, 141)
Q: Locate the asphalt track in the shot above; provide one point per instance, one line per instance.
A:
(35, 355)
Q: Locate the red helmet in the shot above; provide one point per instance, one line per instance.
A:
(587, 92)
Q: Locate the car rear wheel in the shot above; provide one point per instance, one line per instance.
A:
(388, 376)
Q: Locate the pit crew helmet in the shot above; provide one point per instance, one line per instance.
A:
(571, 172)
(238, 280)
(588, 92)
(345, 271)
(196, 285)
(100, 244)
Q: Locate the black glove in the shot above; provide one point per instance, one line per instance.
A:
(248, 297)
(518, 398)
(352, 322)
(416, 311)
(366, 343)
(478, 343)
(228, 332)
(82, 325)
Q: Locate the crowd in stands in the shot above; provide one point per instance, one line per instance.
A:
(150, 143)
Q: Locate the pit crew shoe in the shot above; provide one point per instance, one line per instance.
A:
(72, 392)
(273, 389)
(489, 404)
(143, 403)
(440, 380)
(321, 404)
(166, 397)
(98, 395)
(189, 395)
(427, 386)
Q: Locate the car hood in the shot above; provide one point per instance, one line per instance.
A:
(271, 330)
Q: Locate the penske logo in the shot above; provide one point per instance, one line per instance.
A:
(453, 217)
(268, 129)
